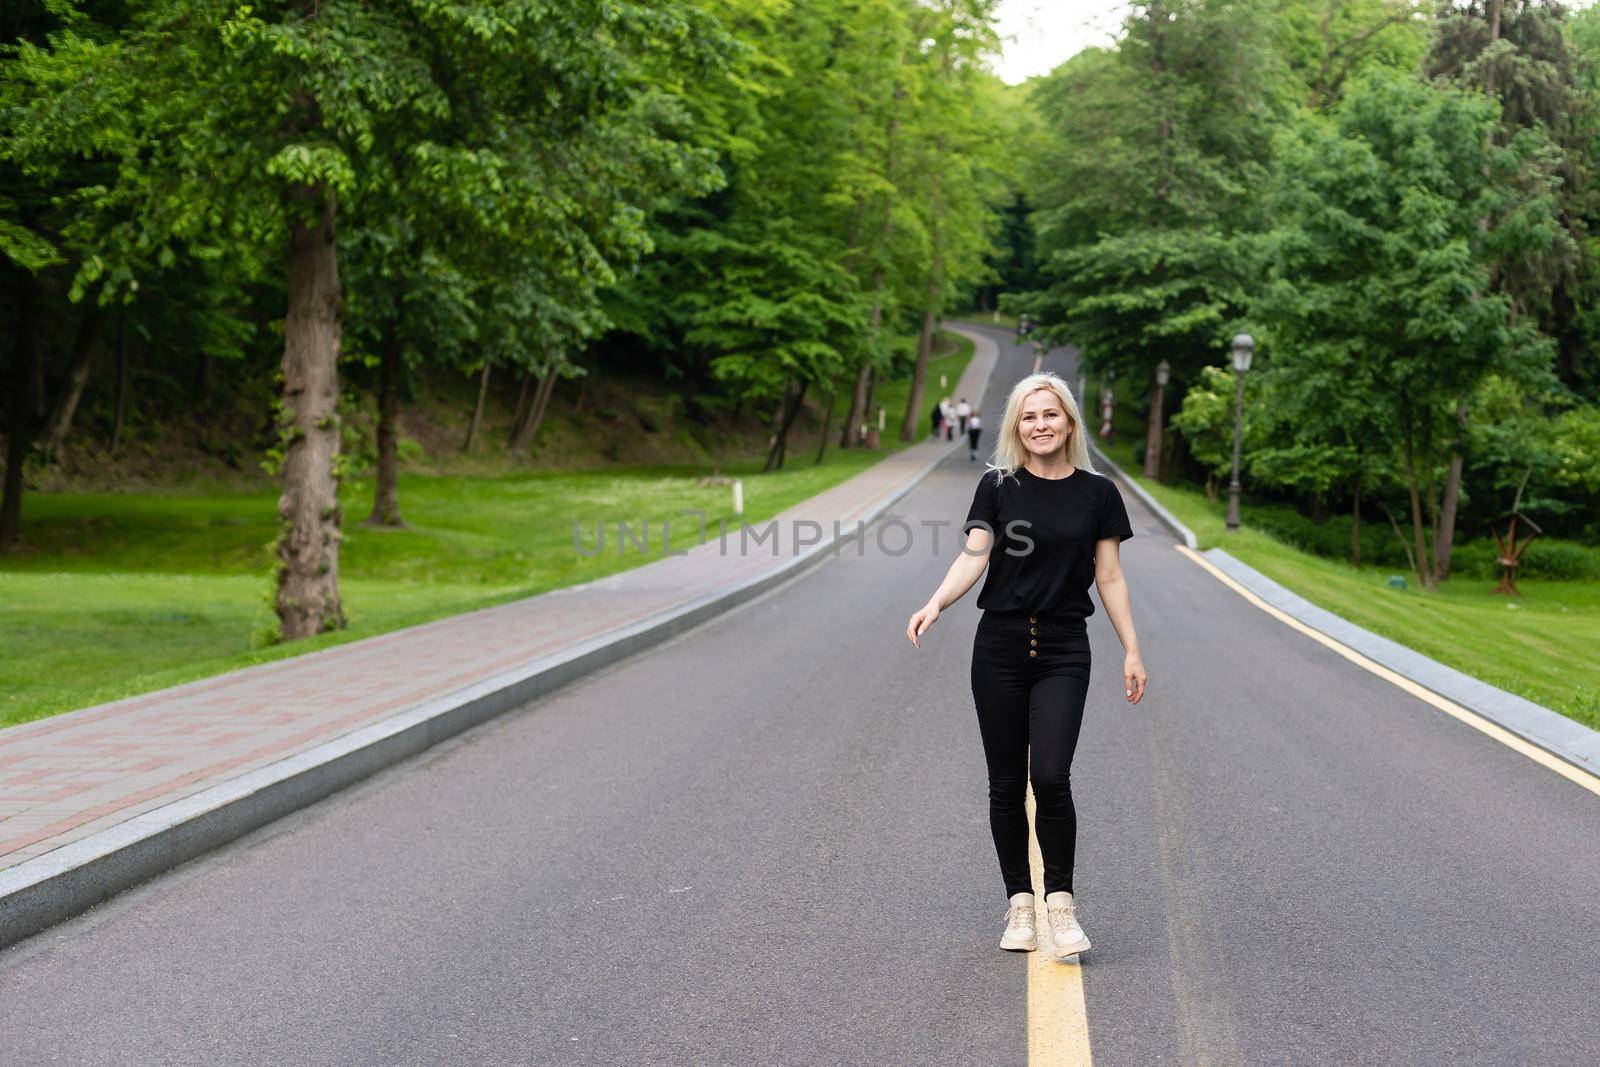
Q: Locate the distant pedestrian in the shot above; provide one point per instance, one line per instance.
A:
(947, 419)
(963, 409)
(934, 420)
(974, 431)
(1045, 527)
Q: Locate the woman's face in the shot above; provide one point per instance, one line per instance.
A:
(1043, 425)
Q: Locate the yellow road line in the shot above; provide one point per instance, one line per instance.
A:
(1058, 1022)
(1449, 707)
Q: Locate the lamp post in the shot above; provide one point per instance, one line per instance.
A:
(1244, 346)
(1152, 440)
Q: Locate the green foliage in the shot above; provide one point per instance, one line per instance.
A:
(1206, 420)
(1147, 201)
(1413, 256)
(862, 185)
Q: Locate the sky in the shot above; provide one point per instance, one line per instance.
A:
(1037, 35)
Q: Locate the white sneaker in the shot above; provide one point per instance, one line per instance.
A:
(1065, 933)
(1021, 929)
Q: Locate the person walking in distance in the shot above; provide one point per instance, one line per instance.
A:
(1045, 525)
(974, 431)
(947, 418)
(963, 411)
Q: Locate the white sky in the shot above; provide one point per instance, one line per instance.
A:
(1038, 35)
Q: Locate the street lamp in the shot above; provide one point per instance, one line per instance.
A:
(1244, 347)
(1152, 440)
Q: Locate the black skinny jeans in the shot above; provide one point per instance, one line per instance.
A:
(1029, 680)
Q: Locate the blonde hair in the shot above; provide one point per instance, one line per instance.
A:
(1009, 451)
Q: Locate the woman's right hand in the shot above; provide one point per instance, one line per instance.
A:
(921, 621)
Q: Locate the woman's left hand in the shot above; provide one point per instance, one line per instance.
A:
(1133, 677)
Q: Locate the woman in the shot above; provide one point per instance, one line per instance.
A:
(1045, 526)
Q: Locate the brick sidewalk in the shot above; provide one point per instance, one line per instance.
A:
(66, 777)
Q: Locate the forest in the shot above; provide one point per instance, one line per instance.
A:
(264, 217)
(1395, 200)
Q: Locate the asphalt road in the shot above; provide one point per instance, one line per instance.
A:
(766, 842)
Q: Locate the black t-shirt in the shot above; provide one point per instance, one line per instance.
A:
(1042, 560)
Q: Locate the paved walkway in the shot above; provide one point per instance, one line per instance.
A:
(66, 777)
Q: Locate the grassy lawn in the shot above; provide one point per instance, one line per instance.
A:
(120, 594)
(1540, 645)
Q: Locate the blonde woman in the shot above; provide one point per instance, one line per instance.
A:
(1045, 525)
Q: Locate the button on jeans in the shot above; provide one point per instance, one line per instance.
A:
(1030, 675)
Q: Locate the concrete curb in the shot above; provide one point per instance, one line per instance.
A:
(39, 893)
(1171, 521)
(1565, 738)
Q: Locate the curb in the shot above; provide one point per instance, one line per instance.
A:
(1564, 738)
(1171, 521)
(41, 892)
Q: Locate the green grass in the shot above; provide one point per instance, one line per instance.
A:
(1540, 645)
(119, 594)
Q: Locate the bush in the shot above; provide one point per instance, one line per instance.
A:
(1330, 538)
(1562, 560)
(1550, 558)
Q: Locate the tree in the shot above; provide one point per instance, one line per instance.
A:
(1379, 299)
(543, 124)
(1515, 52)
(958, 202)
(1146, 208)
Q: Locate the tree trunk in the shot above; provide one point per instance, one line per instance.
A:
(794, 413)
(1494, 35)
(308, 541)
(868, 411)
(778, 417)
(477, 408)
(1430, 504)
(1424, 571)
(19, 433)
(1355, 524)
(858, 407)
(386, 495)
(1445, 538)
(779, 449)
(524, 408)
(541, 401)
(911, 426)
(861, 396)
(78, 360)
(827, 420)
(1411, 558)
(122, 382)
(1152, 436)
(533, 413)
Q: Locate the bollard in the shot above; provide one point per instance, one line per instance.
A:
(880, 419)
(738, 497)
